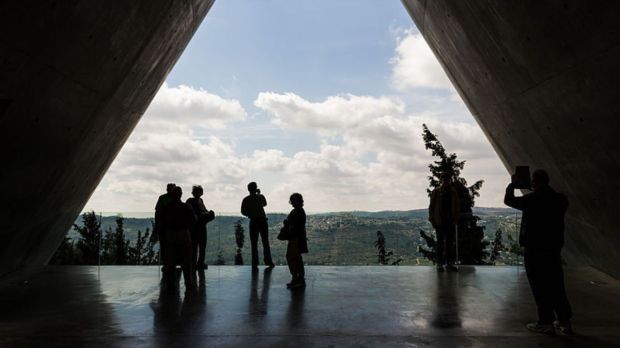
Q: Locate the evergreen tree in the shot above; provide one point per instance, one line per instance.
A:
(384, 256)
(496, 247)
(88, 242)
(220, 258)
(107, 247)
(239, 240)
(151, 257)
(65, 254)
(135, 252)
(121, 245)
(471, 243)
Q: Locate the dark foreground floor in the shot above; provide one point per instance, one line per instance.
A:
(341, 306)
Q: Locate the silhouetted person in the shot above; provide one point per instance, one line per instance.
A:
(178, 218)
(252, 206)
(159, 232)
(297, 243)
(199, 229)
(542, 237)
(443, 213)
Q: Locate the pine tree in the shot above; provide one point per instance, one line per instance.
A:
(384, 256)
(88, 242)
(220, 258)
(121, 245)
(470, 236)
(239, 240)
(135, 252)
(107, 247)
(151, 257)
(65, 254)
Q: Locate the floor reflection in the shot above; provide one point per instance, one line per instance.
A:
(295, 313)
(174, 317)
(446, 312)
(258, 304)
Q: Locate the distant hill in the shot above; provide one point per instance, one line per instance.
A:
(336, 238)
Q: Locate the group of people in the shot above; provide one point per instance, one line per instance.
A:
(182, 232)
(181, 229)
(541, 236)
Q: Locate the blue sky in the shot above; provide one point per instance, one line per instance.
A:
(322, 97)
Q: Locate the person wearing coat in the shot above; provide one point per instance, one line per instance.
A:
(297, 242)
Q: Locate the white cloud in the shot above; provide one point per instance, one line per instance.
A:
(163, 148)
(290, 111)
(196, 107)
(371, 155)
(415, 65)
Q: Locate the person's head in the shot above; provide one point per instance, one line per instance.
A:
(296, 200)
(252, 187)
(170, 186)
(445, 179)
(176, 193)
(540, 178)
(197, 191)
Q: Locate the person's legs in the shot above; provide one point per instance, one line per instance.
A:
(194, 249)
(264, 235)
(202, 247)
(449, 246)
(290, 259)
(184, 248)
(536, 271)
(441, 245)
(560, 303)
(254, 242)
(162, 249)
(169, 264)
(295, 263)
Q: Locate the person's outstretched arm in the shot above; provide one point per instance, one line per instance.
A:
(512, 201)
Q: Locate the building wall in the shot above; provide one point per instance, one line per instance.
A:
(75, 78)
(541, 78)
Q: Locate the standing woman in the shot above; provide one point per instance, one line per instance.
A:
(297, 243)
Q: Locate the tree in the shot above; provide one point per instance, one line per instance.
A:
(496, 247)
(107, 247)
(65, 254)
(383, 256)
(239, 239)
(88, 242)
(121, 245)
(471, 243)
(220, 258)
(135, 252)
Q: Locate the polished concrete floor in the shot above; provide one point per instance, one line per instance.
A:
(341, 306)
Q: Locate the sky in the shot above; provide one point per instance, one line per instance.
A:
(325, 98)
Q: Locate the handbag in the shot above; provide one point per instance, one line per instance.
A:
(285, 232)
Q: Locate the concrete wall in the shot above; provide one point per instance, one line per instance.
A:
(75, 78)
(542, 80)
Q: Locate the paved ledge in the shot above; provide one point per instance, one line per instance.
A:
(342, 306)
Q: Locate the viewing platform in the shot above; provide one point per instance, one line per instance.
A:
(350, 306)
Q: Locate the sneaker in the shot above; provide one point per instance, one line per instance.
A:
(537, 327)
(565, 327)
(271, 266)
(296, 284)
(452, 268)
(440, 268)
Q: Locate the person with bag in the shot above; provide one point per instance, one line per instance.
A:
(294, 231)
(199, 229)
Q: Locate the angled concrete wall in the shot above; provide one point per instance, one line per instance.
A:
(75, 78)
(542, 80)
